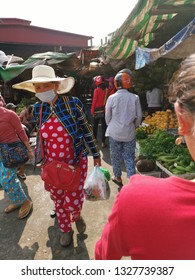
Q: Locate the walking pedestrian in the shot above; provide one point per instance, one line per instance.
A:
(11, 131)
(64, 129)
(100, 96)
(21, 169)
(123, 116)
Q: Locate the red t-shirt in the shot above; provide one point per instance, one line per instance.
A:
(10, 127)
(152, 219)
(99, 99)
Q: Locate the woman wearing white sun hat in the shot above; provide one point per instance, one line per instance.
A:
(64, 130)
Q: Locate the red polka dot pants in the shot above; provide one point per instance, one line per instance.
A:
(68, 205)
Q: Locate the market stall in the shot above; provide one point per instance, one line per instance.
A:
(170, 159)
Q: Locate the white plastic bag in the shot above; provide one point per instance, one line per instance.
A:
(96, 186)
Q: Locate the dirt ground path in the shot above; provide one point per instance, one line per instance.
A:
(37, 237)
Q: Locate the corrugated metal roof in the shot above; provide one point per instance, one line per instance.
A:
(143, 23)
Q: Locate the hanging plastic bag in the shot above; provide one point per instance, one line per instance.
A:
(96, 186)
(106, 173)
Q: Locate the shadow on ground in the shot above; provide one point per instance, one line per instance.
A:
(11, 231)
(37, 237)
(76, 251)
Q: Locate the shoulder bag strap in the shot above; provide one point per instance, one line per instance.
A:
(40, 123)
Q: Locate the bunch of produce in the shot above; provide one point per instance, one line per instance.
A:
(142, 132)
(161, 147)
(159, 142)
(162, 119)
(178, 161)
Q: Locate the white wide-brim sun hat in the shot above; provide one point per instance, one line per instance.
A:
(45, 74)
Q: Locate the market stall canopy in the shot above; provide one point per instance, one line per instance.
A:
(150, 24)
(86, 62)
(178, 47)
(12, 71)
(9, 59)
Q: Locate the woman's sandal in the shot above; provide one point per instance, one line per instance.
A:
(25, 210)
(23, 176)
(119, 183)
(10, 208)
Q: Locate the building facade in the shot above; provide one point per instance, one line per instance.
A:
(20, 38)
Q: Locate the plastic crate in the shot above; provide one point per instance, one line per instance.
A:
(164, 172)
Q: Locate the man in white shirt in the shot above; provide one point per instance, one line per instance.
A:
(123, 115)
(154, 100)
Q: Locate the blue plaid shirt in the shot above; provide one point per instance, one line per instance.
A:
(71, 113)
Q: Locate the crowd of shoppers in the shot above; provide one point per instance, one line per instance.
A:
(135, 226)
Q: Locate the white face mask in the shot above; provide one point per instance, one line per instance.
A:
(46, 96)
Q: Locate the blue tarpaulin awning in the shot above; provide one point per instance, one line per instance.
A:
(178, 47)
